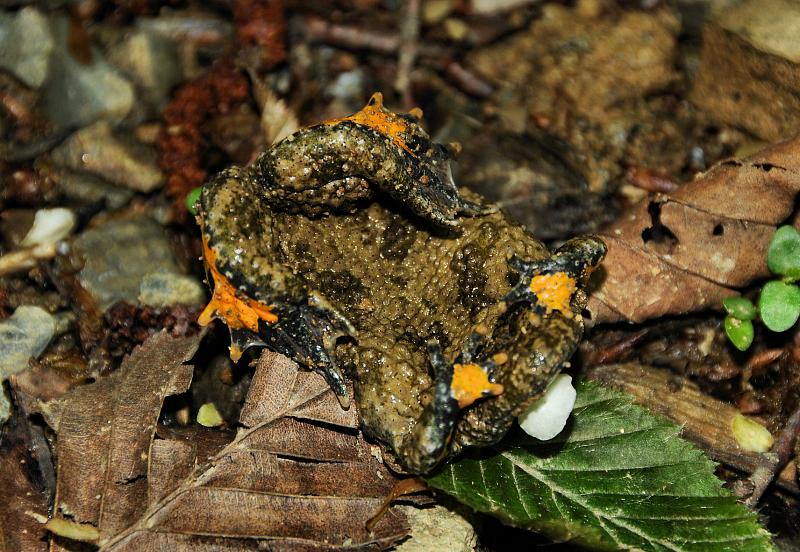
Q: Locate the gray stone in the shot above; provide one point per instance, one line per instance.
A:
(437, 528)
(151, 61)
(78, 94)
(119, 254)
(22, 336)
(162, 289)
(121, 160)
(87, 189)
(26, 44)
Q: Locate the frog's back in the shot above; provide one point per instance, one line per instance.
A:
(401, 284)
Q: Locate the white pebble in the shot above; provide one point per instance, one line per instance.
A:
(49, 226)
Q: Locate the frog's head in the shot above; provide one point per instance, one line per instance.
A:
(404, 129)
(434, 193)
(424, 180)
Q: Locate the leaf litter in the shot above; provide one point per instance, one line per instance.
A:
(687, 251)
(297, 474)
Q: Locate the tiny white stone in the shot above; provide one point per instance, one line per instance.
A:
(49, 226)
(547, 417)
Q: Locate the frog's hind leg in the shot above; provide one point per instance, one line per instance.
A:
(535, 337)
(307, 333)
(455, 386)
(551, 283)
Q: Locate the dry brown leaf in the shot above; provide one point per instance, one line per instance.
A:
(277, 119)
(24, 468)
(297, 476)
(105, 430)
(686, 251)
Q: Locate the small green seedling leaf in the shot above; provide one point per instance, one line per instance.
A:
(779, 305)
(783, 255)
(192, 198)
(209, 416)
(620, 478)
(740, 307)
(740, 332)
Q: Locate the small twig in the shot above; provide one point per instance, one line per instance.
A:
(467, 80)
(441, 59)
(409, 35)
(762, 359)
(758, 362)
(15, 108)
(402, 488)
(650, 180)
(613, 352)
(356, 38)
(774, 461)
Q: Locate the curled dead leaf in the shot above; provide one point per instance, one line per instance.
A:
(105, 430)
(297, 475)
(686, 251)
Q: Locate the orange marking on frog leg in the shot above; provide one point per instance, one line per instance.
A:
(471, 383)
(235, 309)
(374, 116)
(554, 291)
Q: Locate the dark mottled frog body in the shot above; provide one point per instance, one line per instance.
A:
(448, 325)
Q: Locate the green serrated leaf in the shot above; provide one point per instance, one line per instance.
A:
(783, 255)
(619, 478)
(740, 307)
(740, 332)
(779, 305)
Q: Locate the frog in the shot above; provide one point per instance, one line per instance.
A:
(349, 248)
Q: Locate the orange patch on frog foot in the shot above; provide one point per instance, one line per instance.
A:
(554, 291)
(237, 311)
(235, 352)
(376, 117)
(471, 383)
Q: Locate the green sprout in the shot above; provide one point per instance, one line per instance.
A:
(779, 301)
(192, 198)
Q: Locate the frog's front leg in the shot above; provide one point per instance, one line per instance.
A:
(307, 333)
(335, 164)
(262, 302)
(455, 387)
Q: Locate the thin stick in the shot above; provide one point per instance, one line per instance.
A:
(409, 36)
(773, 462)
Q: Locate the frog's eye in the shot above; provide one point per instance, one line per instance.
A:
(376, 100)
(416, 113)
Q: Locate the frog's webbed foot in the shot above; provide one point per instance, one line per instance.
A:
(307, 333)
(455, 386)
(551, 283)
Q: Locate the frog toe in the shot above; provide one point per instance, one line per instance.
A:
(241, 340)
(307, 334)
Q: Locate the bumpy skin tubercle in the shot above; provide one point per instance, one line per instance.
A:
(447, 336)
